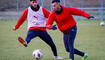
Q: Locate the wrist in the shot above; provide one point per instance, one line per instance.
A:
(48, 26)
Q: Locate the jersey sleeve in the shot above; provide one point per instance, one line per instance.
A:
(50, 21)
(79, 12)
(46, 12)
(22, 19)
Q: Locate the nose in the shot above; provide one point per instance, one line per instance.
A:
(35, 3)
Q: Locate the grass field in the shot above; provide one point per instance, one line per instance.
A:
(90, 38)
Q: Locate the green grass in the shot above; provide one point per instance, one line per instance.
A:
(90, 38)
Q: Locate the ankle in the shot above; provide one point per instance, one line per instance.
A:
(85, 54)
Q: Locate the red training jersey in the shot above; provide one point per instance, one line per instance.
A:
(24, 16)
(65, 20)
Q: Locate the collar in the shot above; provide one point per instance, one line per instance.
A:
(35, 9)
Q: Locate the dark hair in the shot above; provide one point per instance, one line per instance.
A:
(55, 1)
(32, 0)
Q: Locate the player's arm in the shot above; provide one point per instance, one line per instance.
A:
(79, 12)
(50, 22)
(46, 12)
(21, 20)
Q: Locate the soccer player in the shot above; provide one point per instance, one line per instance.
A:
(36, 16)
(67, 25)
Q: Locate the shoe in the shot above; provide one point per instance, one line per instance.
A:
(85, 56)
(22, 41)
(58, 57)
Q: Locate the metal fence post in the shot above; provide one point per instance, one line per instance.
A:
(69, 3)
(82, 5)
(17, 9)
(101, 10)
(42, 3)
(51, 6)
(64, 2)
(61, 2)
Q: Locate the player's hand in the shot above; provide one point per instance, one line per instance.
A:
(54, 27)
(90, 17)
(14, 29)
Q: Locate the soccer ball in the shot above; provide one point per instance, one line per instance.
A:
(102, 23)
(37, 54)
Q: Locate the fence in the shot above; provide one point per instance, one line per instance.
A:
(94, 7)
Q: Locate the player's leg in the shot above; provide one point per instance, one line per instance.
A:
(67, 46)
(72, 35)
(47, 39)
(31, 34)
(65, 38)
(84, 55)
(69, 43)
